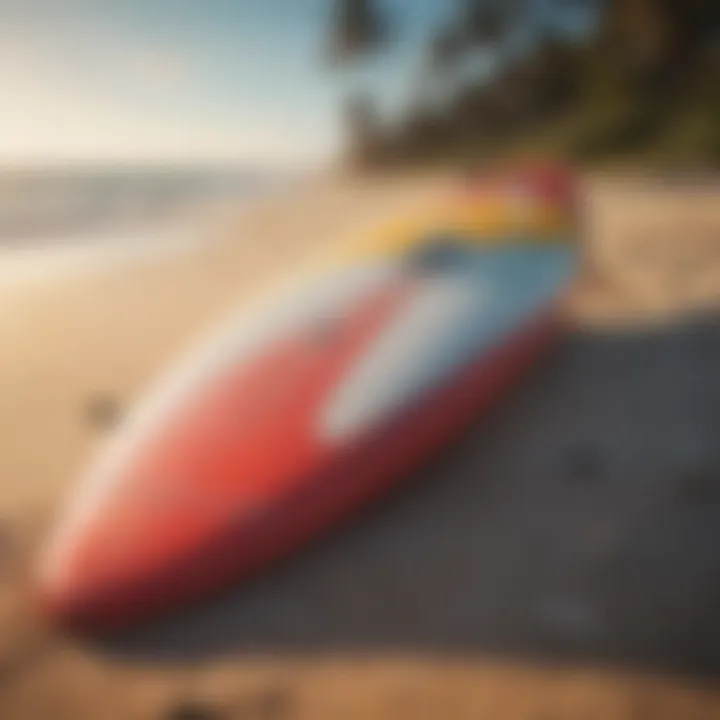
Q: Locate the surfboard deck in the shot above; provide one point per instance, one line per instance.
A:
(298, 416)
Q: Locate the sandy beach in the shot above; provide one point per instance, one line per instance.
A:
(623, 563)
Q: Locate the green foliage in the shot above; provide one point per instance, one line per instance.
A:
(646, 85)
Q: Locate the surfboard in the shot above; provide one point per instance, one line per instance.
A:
(305, 410)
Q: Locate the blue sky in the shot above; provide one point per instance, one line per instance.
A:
(186, 80)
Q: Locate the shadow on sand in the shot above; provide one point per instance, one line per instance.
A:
(582, 521)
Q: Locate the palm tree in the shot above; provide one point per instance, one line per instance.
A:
(357, 29)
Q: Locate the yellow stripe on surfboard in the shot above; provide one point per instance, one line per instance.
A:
(490, 223)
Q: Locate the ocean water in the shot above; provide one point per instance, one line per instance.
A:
(62, 219)
(52, 205)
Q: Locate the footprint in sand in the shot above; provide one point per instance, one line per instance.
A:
(103, 412)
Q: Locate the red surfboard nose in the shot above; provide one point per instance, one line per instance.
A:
(71, 598)
(130, 559)
(66, 606)
(92, 586)
(114, 560)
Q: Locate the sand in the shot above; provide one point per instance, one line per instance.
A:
(353, 630)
